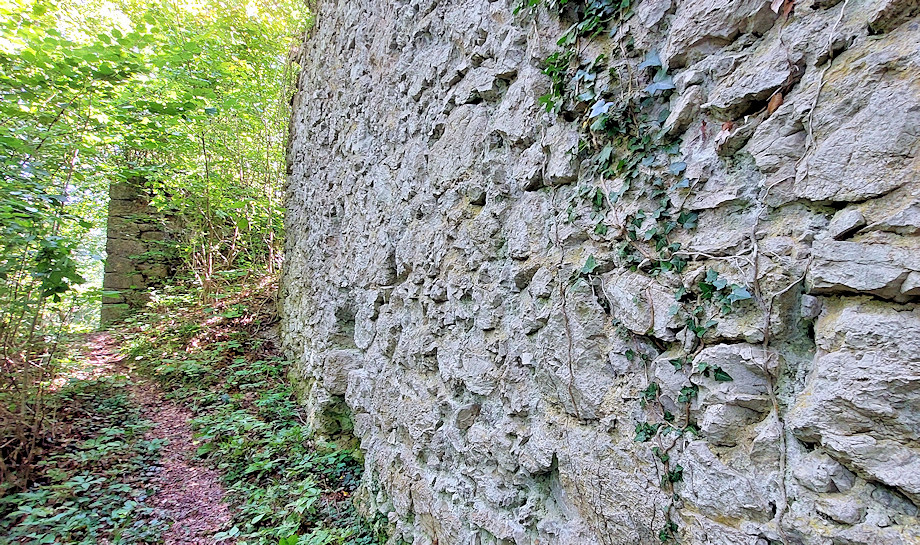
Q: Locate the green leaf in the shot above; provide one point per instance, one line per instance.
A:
(646, 431)
(651, 60)
(589, 266)
(600, 107)
(738, 293)
(677, 168)
(665, 84)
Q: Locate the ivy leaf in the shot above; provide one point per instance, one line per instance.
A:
(677, 168)
(548, 101)
(652, 60)
(720, 375)
(738, 293)
(713, 279)
(604, 155)
(688, 219)
(650, 392)
(645, 431)
(665, 84)
(687, 393)
(589, 266)
(600, 107)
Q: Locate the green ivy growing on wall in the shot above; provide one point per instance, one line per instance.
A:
(619, 100)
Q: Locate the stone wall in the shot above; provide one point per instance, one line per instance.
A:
(486, 310)
(135, 256)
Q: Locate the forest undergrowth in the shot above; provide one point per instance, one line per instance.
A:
(98, 480)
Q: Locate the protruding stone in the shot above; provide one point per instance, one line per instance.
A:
(561, 142)
(859, 267)
(845, 223)
(859, 400)
(467, 415)
(821, 473)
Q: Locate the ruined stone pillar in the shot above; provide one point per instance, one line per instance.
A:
(136, 256)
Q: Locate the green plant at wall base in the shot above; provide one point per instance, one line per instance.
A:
(284, 485)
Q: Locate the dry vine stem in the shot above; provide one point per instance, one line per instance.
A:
(565, 313)
(810, 140)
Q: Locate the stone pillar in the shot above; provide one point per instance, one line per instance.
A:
(136, 256)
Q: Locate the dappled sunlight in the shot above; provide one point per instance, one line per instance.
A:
(99, 362)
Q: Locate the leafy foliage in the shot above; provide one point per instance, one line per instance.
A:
(191, 98)
(285, 485)
(91, 487)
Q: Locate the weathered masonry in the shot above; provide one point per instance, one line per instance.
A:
(135, 255)
(657, 281)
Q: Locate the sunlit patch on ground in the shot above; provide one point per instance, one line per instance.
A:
(99, 361)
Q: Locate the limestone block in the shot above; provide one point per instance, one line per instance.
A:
(125, 190)
(154, 271)
(765, 70)
(713, 487)
(856, 157)
(888, 14)
(854, 267)
(561, 141)
(684, 108)
(724, 424)
(528, 171)
(337, 364)
(843, 509)
(153, 235)
(641, 304)
(844, 223)
(119, 265)
(821, 473)
(125, 248)
(859, 401)
(905, 221)
(744, 363)
(702, 26)
(122, 228)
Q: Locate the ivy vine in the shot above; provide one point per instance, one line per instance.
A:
(620, 104)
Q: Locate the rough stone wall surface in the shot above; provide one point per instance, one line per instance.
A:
(439, 303)
(134, 254)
